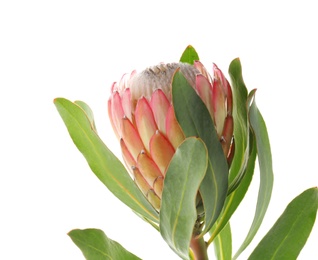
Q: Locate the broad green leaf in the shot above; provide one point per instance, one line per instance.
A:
(234, 199)
(223, 244)
(241, 129)
(95, 245)
(178, 211)
(101, 160)
(289, 234)
(195, 120)
(189, 55)
(266, 173)
(88, 111)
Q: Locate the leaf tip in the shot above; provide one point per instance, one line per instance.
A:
(58, 100)
(70, 233)
(189, 55)
(55, 100)
(235, 62)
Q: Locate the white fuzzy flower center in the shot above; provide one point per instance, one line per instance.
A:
(159, 77)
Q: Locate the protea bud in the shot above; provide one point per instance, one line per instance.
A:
(142, 116)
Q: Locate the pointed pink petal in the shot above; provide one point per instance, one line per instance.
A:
(160, 104)
(218, 74)
(114, 87)
(200, 67)
(154, 200)
(145, 121)
(123, 82)
(161, 151)
(158, 186)
(219, 108)
(231, 152)
(126, 103)
(148, 168)
(117, 111)
(128, 158)
(133, 73)
(173, 129)
(227, 134)
(110, 115)
(204, 90)
(141, 182)
(131, 138)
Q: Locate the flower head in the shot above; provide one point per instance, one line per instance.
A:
(143, 118)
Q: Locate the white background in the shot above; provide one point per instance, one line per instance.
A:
(76, 49)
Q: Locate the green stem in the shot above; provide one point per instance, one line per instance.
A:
(199, 249)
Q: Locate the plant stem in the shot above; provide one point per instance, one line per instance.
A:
(199, 249)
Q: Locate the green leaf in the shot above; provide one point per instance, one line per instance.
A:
(101, 160)
(266, 173)
(223, 244)
(195, 120)
(178, 211)
(234, 199)
(95, 245)
(189, 55)
(289, 234)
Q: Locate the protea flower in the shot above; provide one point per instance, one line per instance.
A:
(142, 116)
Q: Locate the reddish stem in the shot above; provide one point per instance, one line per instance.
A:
(199, 249)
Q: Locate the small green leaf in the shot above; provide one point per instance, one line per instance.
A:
(189, 55)
(178, 211)
(266, 173)
(101, 160)
(95, 245)
(241, 128)
(289, 234)
(223, 244)
(88, 111)
(195, 120)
